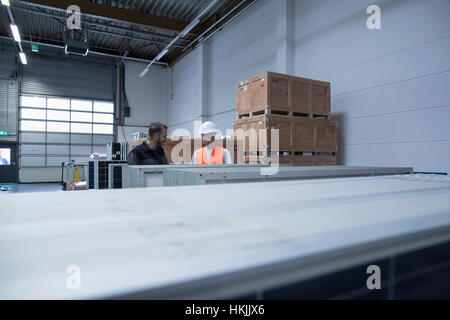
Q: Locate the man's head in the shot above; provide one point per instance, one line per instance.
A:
(157, 133)
(208, 131)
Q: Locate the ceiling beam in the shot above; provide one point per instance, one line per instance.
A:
(177, 54)
(116, 14)
(97, 50)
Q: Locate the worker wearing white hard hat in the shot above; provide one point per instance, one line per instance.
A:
(208, 153)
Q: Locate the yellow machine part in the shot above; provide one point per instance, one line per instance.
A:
(76, 175)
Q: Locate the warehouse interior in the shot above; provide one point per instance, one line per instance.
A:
(79, 90)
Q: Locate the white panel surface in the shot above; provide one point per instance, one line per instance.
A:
(123, 247)
(56, 161)
(32, 161)
(32, 137)
(32, 149)
(58, 149)
(57, 138)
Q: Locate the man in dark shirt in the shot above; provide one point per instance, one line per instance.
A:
(150, 152)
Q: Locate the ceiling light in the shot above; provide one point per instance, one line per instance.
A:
(189, 27)
(23, 57)
(5, 2)
(161, 54)
(15, 32)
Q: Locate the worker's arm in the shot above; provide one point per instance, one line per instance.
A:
(132, 159)
(227, 157)
(164, 161)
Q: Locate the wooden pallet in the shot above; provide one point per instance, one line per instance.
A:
(290, 114)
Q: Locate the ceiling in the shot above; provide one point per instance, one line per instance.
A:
(133, 28)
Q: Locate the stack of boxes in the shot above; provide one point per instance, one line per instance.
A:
(299, 108)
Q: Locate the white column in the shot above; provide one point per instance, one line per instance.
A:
(202, 108)
(203, 63)
(285, 37)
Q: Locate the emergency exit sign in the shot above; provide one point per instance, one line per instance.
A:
(4, 133)
(34, 47)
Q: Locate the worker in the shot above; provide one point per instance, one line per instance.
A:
(150, 152)
(210, 154)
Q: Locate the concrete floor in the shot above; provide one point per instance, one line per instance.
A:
(32, 187)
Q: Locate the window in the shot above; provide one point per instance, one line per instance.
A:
(26, 125)
(81, 116)
(37, 114)
(33, 102)
(72, 128)
(58, 115)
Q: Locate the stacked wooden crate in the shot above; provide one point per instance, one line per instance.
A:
(298, 107)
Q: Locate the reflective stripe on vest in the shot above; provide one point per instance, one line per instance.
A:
(215, 158)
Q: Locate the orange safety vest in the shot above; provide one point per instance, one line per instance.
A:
(215, 158)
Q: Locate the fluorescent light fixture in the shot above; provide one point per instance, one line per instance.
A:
(15, 32)
(23, 57)
(189, 27)
(5, 3)
(146, 69)
(162, 54)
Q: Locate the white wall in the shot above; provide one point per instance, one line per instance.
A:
(185, 97)
(246, 47)
(204, 82)
(389, 87)
(147, 97)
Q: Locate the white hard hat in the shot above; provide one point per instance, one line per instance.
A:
(208, 127)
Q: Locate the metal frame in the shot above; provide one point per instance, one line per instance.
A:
(110, 13)
(198, 176)
(153, 176)
(111, 176)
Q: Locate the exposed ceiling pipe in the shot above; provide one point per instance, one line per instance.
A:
(183, 33)
(226, 23)
(129, 37)
(90, 51)
(216, 23)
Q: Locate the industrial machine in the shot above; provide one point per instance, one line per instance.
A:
(117, 151)
(73, 179)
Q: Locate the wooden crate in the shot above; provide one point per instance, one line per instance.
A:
(295, 134)
(181, 146)
(275, 93)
